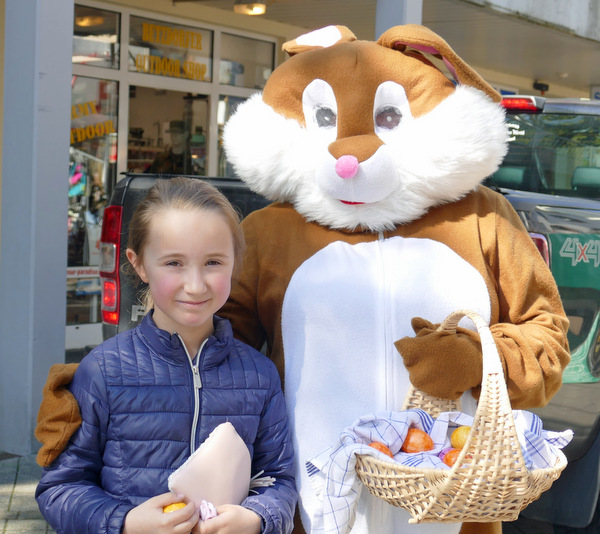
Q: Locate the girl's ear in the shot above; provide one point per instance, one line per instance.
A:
(137, 266)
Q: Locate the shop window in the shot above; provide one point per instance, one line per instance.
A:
(167, 131)
(91, 176)
(245, 62)
(170, 50)
(96, 37)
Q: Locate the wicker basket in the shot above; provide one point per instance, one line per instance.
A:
(493, 485)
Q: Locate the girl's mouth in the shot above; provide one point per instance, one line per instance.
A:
(192, 304)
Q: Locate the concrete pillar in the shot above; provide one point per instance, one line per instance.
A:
(33, 239)
(390, 13)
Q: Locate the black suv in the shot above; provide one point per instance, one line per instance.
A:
(551, 176)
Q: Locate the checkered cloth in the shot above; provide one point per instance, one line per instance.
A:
(333, 475)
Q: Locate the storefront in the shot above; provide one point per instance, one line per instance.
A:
(148, 94)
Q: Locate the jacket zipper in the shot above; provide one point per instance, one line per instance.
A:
(388, 364)
(197, 381)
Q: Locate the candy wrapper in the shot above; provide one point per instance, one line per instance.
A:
(218, 472)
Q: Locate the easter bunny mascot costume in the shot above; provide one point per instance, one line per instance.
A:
(379, 229)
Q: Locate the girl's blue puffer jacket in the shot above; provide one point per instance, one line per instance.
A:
(145, 407)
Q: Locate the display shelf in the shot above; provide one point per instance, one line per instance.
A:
(144, 148)
(141, 153)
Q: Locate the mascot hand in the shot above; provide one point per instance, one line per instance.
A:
(440, 363)
(58, 417)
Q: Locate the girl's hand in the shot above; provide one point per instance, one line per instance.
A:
(232, 519)
(149, 517)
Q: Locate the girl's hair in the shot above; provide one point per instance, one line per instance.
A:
(183, 194)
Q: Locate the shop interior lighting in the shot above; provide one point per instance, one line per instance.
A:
(249, 8)
(86, 21)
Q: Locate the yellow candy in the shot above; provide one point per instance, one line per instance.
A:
(172, 507)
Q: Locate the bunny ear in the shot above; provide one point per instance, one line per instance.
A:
(424, 40)
(323, 38)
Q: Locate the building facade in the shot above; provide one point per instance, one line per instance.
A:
(92, 90)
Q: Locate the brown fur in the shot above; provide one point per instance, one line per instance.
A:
(58, 417)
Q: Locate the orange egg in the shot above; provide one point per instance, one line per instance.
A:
(417, 440)
(381, 448)
(450, 457)
(173, 506)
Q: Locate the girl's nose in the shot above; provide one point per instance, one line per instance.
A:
(194, 282)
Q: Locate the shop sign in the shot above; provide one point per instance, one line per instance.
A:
(169, 36)
(165, 66)
(170, 50)
(82, 272)
(87, 123)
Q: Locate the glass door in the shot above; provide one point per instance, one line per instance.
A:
(167, 131)
(90, 179)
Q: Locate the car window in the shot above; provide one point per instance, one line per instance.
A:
(552, 153)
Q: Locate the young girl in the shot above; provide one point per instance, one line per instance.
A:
(150, 396)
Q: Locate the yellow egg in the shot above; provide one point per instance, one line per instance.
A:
(172, 507)
(459, 437)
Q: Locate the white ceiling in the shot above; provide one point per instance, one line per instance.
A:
(482, 37)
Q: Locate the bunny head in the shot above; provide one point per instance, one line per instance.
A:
(368, 135)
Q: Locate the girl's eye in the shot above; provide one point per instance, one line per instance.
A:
(388, 117)
(173, 264)
(325, 117)
(213, 262)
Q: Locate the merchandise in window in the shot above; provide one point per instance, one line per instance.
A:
(167, 131)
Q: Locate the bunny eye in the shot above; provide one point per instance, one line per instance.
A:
(391, 112)
(320, 110)
(388, 117)
(325, 117)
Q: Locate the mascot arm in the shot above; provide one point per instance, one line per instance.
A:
(531, 333)
(529, 325)
(58, 417)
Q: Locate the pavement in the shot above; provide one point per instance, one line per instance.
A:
(19, 513)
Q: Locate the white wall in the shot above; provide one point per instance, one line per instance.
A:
(577, 16)
(390, 13)
(33, 244)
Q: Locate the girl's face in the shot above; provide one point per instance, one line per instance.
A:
(187, 262)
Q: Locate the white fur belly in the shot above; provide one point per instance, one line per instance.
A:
(343, 309)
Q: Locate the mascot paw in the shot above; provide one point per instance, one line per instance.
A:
(440, 363)
(58, 416)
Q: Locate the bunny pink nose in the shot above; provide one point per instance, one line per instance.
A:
(346, 166)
